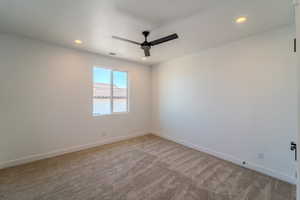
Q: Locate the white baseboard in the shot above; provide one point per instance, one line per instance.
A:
(232, 159)
(36, 157)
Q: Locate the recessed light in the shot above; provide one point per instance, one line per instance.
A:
(78, 41)
(241, 20)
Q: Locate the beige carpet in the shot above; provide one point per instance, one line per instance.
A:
(144, 168)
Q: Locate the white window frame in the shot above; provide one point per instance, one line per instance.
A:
(112, 93)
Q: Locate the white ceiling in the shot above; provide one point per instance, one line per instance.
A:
(200, 24)
(162, 12)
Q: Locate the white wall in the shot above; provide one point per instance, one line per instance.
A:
(46, 101)
(297, 16)
(234, 101)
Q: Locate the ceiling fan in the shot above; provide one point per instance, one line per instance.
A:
(146, 46)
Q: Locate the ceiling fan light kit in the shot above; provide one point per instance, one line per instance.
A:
(146, 46)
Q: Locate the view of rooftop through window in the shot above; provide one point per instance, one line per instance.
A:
(110, 93)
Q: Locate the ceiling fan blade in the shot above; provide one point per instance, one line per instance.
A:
(125, 40)
(164, 39)
(147, 52)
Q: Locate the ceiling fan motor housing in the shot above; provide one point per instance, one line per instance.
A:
(145, 45)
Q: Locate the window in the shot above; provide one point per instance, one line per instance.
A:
(110, 91)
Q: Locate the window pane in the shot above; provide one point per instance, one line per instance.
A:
(102, 91)
(120, 105)
(120, 91)
(101, 106)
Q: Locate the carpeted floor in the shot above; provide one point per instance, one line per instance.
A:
(144, 168)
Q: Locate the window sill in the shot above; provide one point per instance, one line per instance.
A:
(112, 114)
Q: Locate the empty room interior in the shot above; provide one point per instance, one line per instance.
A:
(149, 100)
